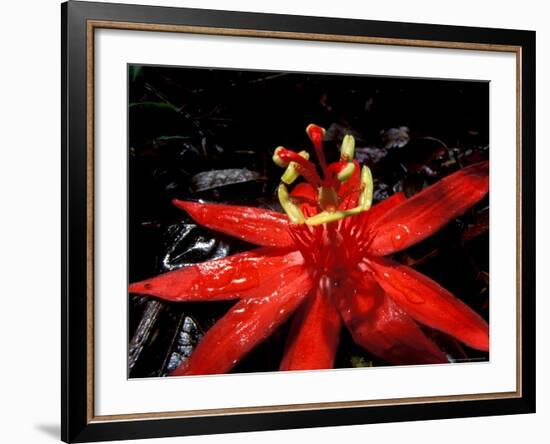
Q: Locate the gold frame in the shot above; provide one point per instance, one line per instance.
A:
(92, 25)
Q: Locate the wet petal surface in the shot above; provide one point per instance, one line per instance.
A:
(380, 326)
(237, 276)
(247, 323)
(314, 334)
(429, 303)
(431, 209)
(254, 225)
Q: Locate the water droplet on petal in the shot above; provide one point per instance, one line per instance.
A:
(401, 236)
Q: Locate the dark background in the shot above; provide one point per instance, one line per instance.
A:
(210, 133)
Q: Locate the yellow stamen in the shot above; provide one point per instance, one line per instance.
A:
(291, 173)
(292, 210)
(328, 199)
(347, 149)
(365, 202)
(367, 184)
(346, 172)
(325, 217)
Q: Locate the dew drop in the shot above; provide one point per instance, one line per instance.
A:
(401, 236)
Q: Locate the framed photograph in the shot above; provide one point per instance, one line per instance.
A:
(277, 221)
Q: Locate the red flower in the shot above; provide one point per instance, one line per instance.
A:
(324, 262)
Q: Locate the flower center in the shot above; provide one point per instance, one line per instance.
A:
(331, 250)
(327, 208)
(330, 202)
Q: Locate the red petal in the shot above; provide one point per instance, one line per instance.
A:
(232, 277)
(306, 197)
(358, 226)
(254, 225)
(380, 209)
(429, 303)
(305, 191)
(380, 326)
(314, 334)
(428, 211)
(248, 323)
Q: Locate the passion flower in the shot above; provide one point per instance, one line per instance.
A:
(323, 262)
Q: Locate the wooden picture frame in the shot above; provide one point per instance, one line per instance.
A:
(80, 20)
